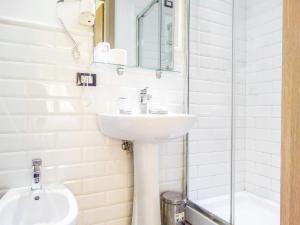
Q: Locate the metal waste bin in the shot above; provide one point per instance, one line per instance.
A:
(172, 208)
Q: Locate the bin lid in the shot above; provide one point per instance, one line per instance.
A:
(172, 197)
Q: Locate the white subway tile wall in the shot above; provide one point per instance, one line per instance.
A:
(263, 97)
(210, 98)
(44, 114)
(258, 96)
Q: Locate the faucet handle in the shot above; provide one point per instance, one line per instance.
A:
(36, 162)
(144, 91)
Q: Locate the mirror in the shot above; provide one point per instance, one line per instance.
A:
(138, 33)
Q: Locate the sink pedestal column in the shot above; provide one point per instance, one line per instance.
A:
(146, 203)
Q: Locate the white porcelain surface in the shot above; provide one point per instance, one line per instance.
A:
(250, 209)
(146, 205)
(145, 128)
(56, 206)
(146, 131)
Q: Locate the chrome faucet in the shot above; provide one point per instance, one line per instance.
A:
(144, 100)
(36, 174)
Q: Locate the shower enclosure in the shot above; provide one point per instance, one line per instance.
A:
(235, 58)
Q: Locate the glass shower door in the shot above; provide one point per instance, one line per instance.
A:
(258, 72)
(210, 99)
(235, 64)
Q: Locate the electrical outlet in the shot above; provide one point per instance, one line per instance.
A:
(86, 79)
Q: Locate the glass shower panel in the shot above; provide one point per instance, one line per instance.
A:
(258, 64)
(235, 73)
(210, 99)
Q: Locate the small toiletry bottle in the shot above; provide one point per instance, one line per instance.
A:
(124, 105)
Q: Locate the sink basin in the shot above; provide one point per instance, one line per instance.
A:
(146, 132)
(53, 205)
(145, 127)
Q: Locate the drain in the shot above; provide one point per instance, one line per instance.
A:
(37, 198)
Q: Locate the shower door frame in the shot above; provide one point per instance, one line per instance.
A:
(211, 216)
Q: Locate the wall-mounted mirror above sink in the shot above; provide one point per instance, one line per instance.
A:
(138, 33)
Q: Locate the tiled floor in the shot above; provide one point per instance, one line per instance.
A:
(249, 209)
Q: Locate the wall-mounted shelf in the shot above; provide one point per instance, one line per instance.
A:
(120, 69)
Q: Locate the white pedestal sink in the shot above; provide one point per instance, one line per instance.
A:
(146, 131)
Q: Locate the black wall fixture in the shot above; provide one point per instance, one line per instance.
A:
(169, 3)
